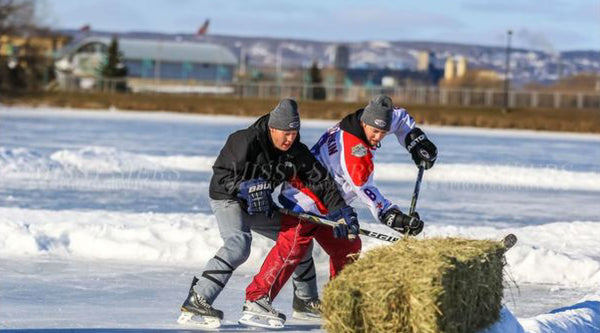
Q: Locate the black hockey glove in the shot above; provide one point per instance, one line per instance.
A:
(403, 223)
(422, 150)
(350, 225)
(257, 195)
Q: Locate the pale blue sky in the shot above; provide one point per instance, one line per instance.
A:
(548, 25)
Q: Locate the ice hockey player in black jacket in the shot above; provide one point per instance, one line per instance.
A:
(251, 164)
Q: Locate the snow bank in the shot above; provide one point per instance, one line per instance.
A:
(495, 175)
(22, 162)
(107, 235)
(111, 160)
(583, 317)
(561, 253)
(543, 255)
(508, 323)
(99, 235)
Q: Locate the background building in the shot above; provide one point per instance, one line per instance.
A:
(449, 69)
(425, 60)
(166, 62)
(457, 73)
(26, 58)
(21, 46)
(342, 57)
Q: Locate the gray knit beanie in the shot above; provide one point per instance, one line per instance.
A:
(378, 113)
(285, 116)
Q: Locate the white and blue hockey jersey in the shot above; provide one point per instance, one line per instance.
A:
(346, 154)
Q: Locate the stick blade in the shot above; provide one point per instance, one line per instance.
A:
(509, 241)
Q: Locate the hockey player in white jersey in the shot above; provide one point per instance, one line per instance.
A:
(347, 151)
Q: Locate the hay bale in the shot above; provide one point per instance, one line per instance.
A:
(419, 286)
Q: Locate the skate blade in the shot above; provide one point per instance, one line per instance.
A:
(253, 320)
(306, 316)
(188, 318)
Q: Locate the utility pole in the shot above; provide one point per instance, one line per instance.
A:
(505, 109)
(279, 63)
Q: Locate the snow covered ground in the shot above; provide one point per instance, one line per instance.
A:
(104, 216)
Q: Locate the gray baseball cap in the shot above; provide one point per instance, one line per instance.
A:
(285, 116)
(378, 113)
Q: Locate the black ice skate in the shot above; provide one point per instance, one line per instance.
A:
(260, 313)
(306, 309)
(196, 311)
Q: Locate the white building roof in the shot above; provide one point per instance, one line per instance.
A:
(140, 49)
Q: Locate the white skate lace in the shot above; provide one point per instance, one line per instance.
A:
(314, 304)
(203, 302)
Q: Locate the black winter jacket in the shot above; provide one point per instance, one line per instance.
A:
(250, 154)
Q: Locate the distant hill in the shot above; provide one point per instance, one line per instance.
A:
(526, 65)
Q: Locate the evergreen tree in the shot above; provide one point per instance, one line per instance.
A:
(318, 91)
(113, 66)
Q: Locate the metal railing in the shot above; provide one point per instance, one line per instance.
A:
(305, 91)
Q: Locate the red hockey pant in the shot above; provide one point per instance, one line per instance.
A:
(292, 243)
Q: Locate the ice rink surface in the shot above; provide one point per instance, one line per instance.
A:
(104, 216)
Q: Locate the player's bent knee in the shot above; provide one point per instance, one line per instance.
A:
(241, 245)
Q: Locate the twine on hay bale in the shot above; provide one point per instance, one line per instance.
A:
(418, 286)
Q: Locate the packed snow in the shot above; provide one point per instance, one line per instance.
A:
(126, 195)
(22, 162)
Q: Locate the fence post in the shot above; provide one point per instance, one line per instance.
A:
(580, 101)
(415, 95)
(466, 97)
(443, 96)
(431, 95)
(534, 100)
(303, 93)
(557, 100)
(488, 97)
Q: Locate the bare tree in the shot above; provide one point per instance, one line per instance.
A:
(16, 16)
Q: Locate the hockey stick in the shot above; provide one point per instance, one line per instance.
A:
(368, 233)
(322, 221)
(415, 196)
(508, 241)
